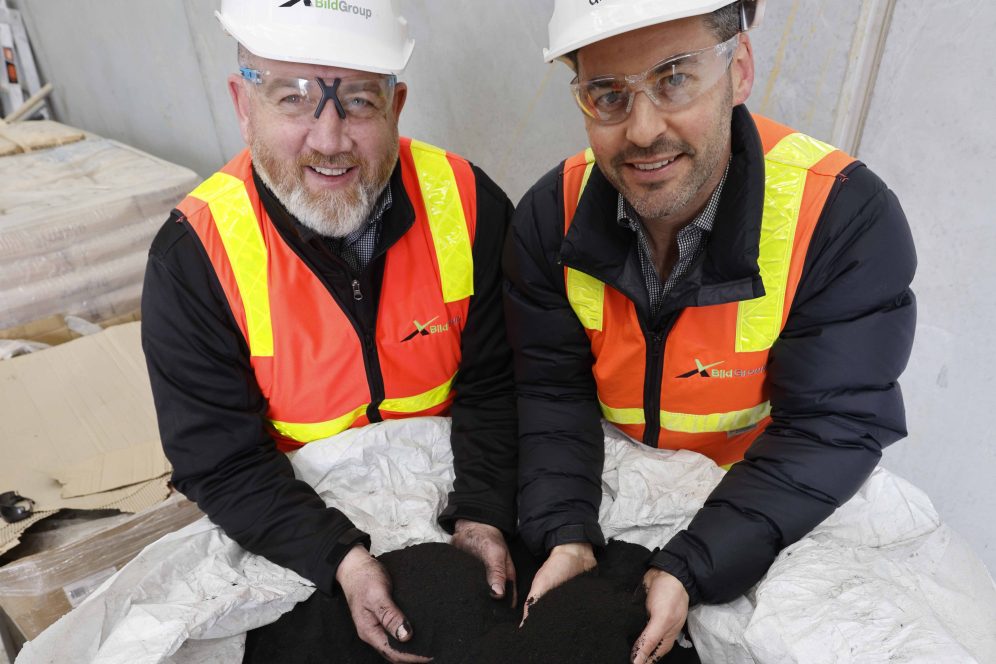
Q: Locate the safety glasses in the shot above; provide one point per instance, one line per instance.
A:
(670, 84)
(304, 99)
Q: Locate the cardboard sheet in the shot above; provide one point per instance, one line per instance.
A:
(78, 427)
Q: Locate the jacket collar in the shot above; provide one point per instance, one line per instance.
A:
(727, 271)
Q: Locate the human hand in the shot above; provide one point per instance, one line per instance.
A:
(367, 589)
(565, 562)
(487, 544)
(667, 606)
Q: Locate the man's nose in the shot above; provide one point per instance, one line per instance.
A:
(329, 134)
(646, 122)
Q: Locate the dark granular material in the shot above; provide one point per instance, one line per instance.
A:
(442, 591)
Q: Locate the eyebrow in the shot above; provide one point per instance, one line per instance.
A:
(285, 82)
(686, 57)
(365, 84)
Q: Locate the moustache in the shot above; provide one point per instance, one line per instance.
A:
(660, 147)
(341, 160)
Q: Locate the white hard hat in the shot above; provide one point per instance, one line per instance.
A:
(368, 35)
(577, 23)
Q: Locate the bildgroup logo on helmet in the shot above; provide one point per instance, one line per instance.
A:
(336, 5)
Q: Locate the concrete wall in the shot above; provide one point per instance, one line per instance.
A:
(153, 74)
(930, 134)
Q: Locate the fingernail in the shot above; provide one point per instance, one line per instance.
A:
(404, 629)
(496, 590)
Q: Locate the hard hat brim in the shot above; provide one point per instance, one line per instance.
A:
(588, 29)
(265, 44)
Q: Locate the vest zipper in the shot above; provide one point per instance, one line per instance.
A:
(374, 377)
(655, 342)
(368, 344)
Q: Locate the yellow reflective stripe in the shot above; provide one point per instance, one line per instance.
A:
(446, 220)
(240, 234)
(759, 321)
(622, 415)
(689, 423)
(589, 156)
(419, 402)
(306, 433)
(715, 422)
(586, 293)
(800, 151)
(587, 297)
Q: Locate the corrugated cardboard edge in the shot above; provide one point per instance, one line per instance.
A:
(10, 533)
(96, 473)
(132, 499)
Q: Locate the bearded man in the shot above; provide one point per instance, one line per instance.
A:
(330, 276)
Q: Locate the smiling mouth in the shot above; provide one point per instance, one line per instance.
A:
(654, 166)
(331, 172)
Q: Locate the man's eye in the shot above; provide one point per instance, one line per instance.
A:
(675, 81)
(609, 99)
(292, 100)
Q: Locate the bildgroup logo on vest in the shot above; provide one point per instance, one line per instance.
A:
(711, 371)
(431, 327)
(335, 5)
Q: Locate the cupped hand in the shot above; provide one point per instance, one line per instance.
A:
(667, 606)
(487, 544)
(565, 562)
(367, 588)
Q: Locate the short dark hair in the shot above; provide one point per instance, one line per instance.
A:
(572, 59)
(724, 22)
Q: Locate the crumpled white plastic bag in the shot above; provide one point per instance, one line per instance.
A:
(880, 581)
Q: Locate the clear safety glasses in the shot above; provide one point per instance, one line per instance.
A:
(670, 84)
(304, 99)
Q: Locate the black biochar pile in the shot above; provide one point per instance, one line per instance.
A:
(593, 619)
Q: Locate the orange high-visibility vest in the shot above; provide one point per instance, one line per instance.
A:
(307, 356)
(714, 395)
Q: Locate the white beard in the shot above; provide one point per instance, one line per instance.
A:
(330, 214)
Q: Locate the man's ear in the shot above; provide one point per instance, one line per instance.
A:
(240, 99)
(742, 70)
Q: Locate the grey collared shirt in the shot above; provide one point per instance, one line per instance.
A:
(692, 240)
(358, 247)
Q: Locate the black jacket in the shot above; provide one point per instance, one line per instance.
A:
(211, 412)
(832, 373)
